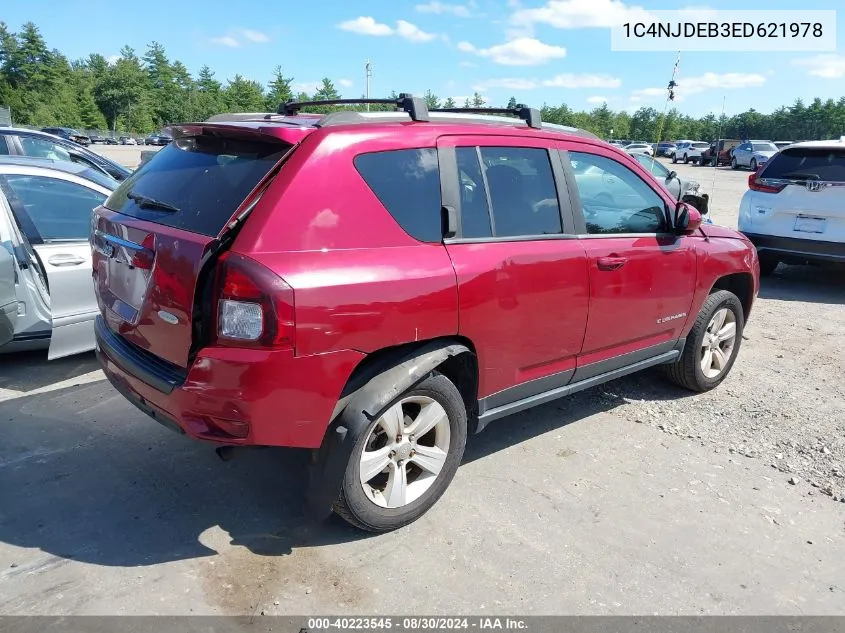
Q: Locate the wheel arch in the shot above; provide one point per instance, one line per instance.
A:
(742, 285)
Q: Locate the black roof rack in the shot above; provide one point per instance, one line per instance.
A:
(530, 115)
(415, 106)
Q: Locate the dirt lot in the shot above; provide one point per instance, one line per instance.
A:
(634, 497)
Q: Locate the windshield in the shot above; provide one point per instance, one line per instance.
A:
(764, 147)
(701, 145)
(652, 165)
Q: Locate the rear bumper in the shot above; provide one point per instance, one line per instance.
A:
(231, 395)
(791, 249)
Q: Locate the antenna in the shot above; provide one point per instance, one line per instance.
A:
(670, 96)
(718, 138)
(368, 67)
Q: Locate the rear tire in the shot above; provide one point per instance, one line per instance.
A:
(712, 345)
(370, 505)
(768, 264)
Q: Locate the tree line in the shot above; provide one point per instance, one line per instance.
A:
(143, 93)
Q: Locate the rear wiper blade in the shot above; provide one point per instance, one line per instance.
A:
(150, 203)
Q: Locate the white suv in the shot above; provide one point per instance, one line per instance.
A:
(794, 209)
(692, 152)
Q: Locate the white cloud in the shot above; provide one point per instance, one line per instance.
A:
(574, 14)
(365, 25)
(226, 40)
(708, 81)
(112, 59)
(346, 83)
(255, 36)
(306, 86)
(565, 80)
(597, 100)
(523, 51)
(413, 33)
(824, 66)
(238, 37)
(443, 8)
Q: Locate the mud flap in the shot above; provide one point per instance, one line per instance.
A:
(356, 410)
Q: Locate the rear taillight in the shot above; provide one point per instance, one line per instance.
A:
(254, 305)
(756, 183)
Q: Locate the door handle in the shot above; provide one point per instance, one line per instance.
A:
(611, 263)
(66, 259)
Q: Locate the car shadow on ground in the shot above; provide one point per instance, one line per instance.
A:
(812, 284)
(26, 371)
(87, 477)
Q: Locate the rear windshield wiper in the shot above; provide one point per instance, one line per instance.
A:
(150, 203)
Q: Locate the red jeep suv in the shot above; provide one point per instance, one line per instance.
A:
(375, 286)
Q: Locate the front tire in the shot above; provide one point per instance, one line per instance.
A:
(753, 165)
(674, 159)
(712, 345)
(407, 457)
(686, 159)
(734, 164)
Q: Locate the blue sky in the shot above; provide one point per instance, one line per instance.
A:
(552, 51)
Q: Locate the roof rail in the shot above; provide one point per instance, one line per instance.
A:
(407, 102)
(531, 116)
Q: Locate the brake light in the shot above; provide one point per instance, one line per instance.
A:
(756, 183)
(254, 305)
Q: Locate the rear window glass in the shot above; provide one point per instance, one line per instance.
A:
(200, 179)
(407, 182)
(808, 163)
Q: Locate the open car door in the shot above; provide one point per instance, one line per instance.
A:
(53, 210)
(8, 297)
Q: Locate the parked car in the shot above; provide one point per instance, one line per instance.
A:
(678, 187)
(69, 134)
(676, 152)
(103, 140)
(664, 148)
(242, 304)
(127, 140)
(639, 148)
(158, 139)
(719, 153)
(794, 209)
(692, 152)
(45, 221)
(752, 154)
(24, 142)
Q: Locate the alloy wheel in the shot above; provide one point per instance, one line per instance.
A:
(718, 344)
(405, 451)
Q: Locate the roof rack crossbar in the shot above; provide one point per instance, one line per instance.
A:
(531, 116)
(414, 106)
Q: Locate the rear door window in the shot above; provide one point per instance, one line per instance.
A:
(522, 191)
(197, 182)
(49, 209)
(407, 182)
(807, 163)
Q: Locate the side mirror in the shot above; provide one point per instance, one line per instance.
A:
(687, 219)
(671, 176)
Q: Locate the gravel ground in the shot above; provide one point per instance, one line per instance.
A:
(784, 401)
